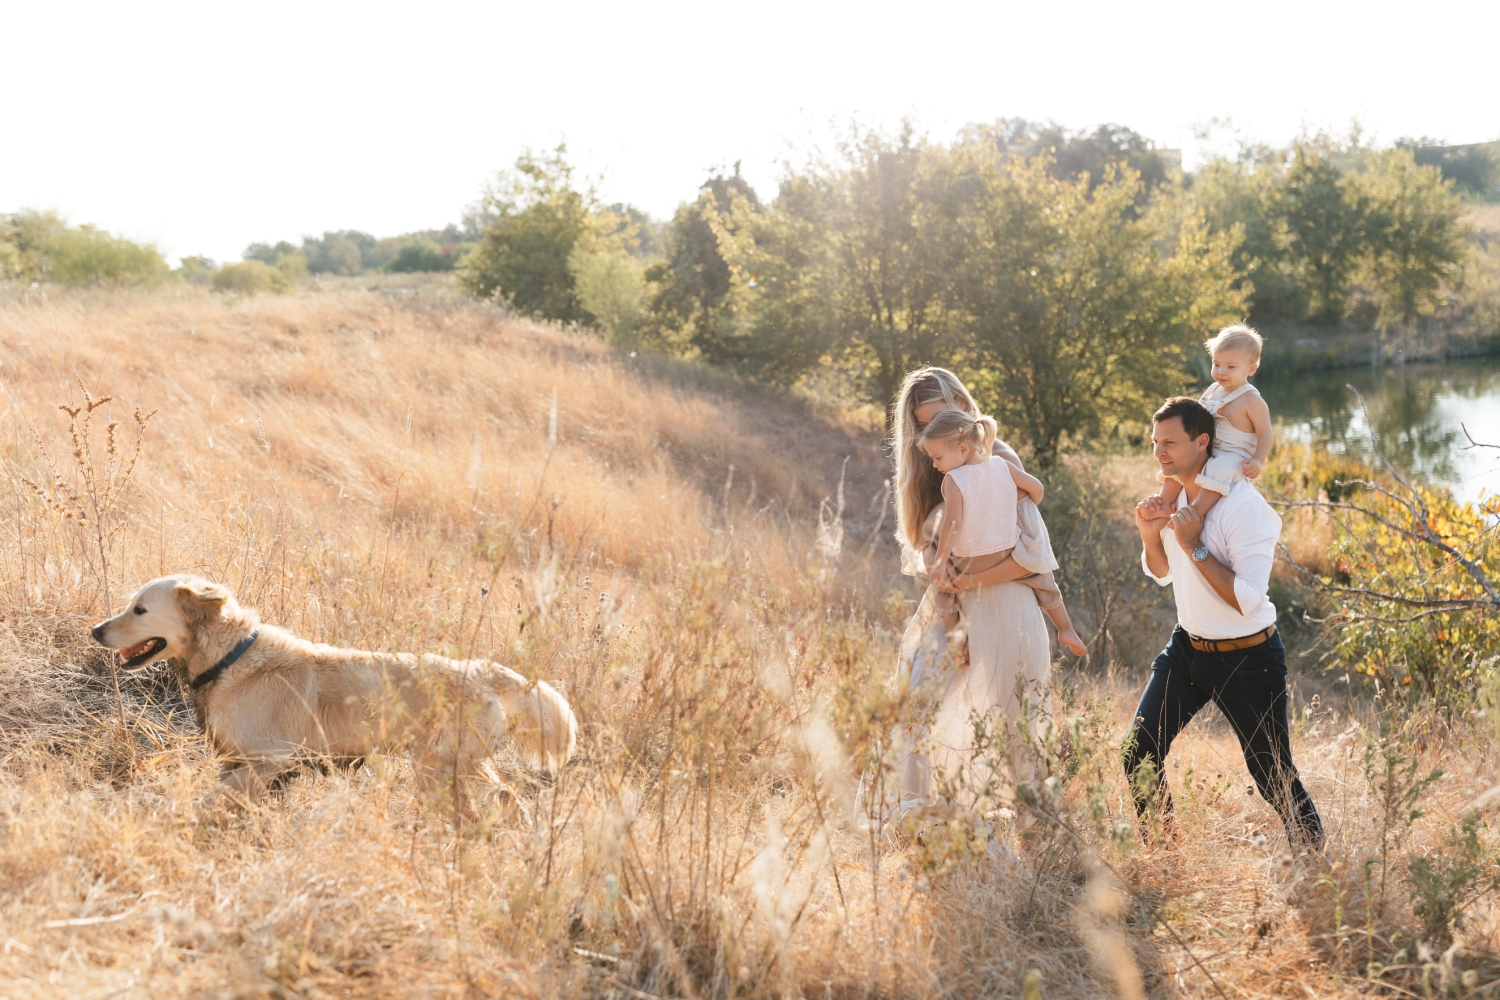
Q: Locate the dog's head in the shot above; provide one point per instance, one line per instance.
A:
(162, 619)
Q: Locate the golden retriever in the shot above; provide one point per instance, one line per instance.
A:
(270, 700)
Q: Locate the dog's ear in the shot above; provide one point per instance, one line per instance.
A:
(201, 599)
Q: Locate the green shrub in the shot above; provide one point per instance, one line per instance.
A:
(248, 276)
(88, 256)
(1408, 614)
(10, 259)
(419, 254)
(40, 246)
(1444, 882)
(610, 287)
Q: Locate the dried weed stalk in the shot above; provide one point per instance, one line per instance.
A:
(95, 490)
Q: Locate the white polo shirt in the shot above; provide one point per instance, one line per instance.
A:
(1241, 532)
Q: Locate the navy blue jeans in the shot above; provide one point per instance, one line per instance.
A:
(1249, 686)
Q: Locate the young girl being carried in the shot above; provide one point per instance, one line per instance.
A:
(988, 515)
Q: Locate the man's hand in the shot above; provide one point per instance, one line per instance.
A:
(1250, 467)
(1187, 525)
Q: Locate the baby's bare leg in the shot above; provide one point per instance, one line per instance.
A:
(1206, 500)
(1169, 490)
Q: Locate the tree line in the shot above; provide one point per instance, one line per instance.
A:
(42, 247)
(1068, 276)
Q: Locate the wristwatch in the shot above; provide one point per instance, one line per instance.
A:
(1200, 554)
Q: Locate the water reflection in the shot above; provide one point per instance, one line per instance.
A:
(1415, 411)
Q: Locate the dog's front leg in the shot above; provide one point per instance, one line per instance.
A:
(243, 782)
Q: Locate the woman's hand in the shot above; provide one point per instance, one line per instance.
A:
(944, 579)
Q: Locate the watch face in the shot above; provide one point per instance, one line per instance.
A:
(1200, 554)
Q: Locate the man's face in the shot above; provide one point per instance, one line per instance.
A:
(1178, 454)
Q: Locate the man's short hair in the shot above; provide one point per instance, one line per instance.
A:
(1238, 337)
(1196, 419)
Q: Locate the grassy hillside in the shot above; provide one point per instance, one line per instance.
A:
(672, 551)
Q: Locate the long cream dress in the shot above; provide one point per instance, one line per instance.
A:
(1010, 666)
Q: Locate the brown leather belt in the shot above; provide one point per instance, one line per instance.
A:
(1226, 645)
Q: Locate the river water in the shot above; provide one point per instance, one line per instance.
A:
(1416, 411)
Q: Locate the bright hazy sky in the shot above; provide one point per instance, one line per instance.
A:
(204, 127)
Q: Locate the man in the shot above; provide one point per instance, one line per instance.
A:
(1224, 648)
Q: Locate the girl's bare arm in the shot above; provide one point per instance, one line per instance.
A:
(1005, 451)
(1029, 484)
(953, 514)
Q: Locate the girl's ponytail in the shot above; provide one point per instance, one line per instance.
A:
(988, 430)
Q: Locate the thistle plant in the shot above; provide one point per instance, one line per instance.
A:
(95, 491)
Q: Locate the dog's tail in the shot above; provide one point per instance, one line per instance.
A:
(539, 719)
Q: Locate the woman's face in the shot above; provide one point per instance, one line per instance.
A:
(923, 414)
(926, 413)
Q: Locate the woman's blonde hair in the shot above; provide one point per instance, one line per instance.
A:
(919, 487)
(962, 427)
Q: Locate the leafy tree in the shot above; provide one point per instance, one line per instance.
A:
(198, 270)
(268, 254)
(1473, 169)
(10, 255)
(635, 229)
(531, 221)
(690, 283)
(1084, 312)
(1327, 224)
(1417, 237)
(1324, 216)
(775, 320)
(27, 237)
(887, 211)
(340, 252)
(287, 263)
(1242, 198)
(1074, 154)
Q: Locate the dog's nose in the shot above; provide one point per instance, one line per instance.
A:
(98, 633)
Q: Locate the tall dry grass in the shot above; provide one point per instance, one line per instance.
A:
(363, 469)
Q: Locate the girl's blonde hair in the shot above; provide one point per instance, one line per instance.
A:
(919, 487)
(962, 427)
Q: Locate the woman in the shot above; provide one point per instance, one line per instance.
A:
(1009, 659)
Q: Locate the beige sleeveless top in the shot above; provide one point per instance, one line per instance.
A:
(989, 523)
(1229, 439)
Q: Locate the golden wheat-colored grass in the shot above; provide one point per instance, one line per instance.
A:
(387, 472)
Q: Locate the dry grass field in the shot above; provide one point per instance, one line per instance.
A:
(676, 552)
